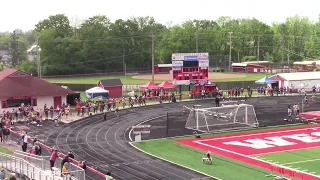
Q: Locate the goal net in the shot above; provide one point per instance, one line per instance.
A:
(221, 118)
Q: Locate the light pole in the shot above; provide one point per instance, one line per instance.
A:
(230, 43)
(153, 37)
(197, 42)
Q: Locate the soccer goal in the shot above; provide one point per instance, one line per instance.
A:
(221, 118)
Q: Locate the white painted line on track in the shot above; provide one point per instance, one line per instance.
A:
(297, 162)
(130, 132)
(173, 162)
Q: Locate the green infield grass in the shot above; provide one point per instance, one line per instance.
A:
(306, 160)
(130, 80)
(95, 79)
(223, 167)
(5, 150)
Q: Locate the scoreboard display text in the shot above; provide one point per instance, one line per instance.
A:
(190, 68)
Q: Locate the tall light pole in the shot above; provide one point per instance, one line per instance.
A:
(38, 58)
(288, 55)
(153, 37)
(124, 61)
(197, 42)
(258, 51)
(230, 43)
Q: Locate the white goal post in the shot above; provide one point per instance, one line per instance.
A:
(221, 118)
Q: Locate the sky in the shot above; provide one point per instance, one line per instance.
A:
(24, 14)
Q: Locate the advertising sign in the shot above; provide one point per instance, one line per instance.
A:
(203, 63)
(177, 57)
(181, 82)
(190, 56)
(176, 64)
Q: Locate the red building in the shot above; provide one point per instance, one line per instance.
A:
(162, 68)
(114, 86)
(246, 68)
(17, 87)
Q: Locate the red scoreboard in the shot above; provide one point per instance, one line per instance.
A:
(190, 68)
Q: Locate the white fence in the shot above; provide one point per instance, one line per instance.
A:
(35, 168)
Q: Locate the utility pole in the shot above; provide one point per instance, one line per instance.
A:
(288, 55)
(238, 56)
(258, 52)
(197, 42)
(38, 58)
(124, 61)
(153, 37)
(14, 47)
(230, 43)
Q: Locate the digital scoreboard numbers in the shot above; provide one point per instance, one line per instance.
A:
(190, 68)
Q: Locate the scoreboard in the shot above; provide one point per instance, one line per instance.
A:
(190, 68)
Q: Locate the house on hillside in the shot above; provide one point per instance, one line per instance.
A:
(5, 57)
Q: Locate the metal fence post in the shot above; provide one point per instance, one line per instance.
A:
(167, 129)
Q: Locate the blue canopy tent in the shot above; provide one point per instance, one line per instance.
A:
(96, 92)
(265, 80)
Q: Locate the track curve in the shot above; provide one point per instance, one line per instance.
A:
(104, 144)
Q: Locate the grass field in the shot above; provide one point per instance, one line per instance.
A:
(96, 79)
(226, 168)
(5, 150)
(215, 77)
(307, 160)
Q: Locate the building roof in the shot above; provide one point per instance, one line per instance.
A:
(256, 62)
(15, 83)
(239, 64)
(317, 62)
(111, 82)
(299, 76)
(164, 65)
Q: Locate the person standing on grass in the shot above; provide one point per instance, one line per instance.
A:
(53, 157)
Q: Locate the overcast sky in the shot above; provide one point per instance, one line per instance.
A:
(24, 14)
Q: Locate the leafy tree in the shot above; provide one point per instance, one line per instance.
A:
(99, 45)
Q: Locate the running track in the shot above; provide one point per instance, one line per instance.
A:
(104, 144)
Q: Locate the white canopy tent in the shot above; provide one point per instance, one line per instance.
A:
(96, 92)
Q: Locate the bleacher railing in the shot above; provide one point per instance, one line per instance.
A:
(24, 168)
(42, 162)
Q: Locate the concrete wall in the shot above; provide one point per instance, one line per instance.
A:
(41, 101)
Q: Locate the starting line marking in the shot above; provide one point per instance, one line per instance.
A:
(297, 162)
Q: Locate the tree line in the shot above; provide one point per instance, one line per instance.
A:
(98, 45)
